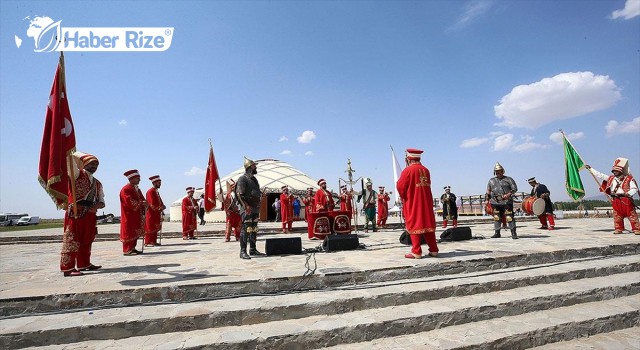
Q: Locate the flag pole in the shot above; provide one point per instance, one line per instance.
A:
(70, 167)
(588, 169)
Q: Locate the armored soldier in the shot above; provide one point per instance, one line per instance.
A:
(500, 191)
(249, 196)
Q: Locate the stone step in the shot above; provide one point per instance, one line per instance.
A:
(624, 339)
(315, 319)
(521, 331)
(322, 280)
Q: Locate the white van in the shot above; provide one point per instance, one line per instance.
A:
(10, 219)
(28, 220)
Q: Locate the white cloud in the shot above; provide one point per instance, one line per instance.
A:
(195, 171)
(122, 122)
(283, 138)
(503, 142)
(631, 9)
(528, 146)
(563, 96)
(308, 153)
(472, 10)
(615, 128)
(306, 137)
(474, 142)
(557, 136)
(286, 152)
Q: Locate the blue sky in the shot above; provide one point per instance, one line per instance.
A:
(314, 83)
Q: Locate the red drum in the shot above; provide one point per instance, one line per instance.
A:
(533, 206)
(318, 225)
(488, 208)
(341, 221)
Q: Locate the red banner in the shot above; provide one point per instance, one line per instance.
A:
(58, 142)
(210, 183)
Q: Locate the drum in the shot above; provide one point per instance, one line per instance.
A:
(488, 208)
(341, 221)
(533, 206)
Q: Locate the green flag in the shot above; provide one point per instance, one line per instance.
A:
(573, 165)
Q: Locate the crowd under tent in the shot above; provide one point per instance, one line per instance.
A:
(272, 175)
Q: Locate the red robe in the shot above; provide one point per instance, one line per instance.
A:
(286, 210)
(80, 232)
(153, 219)
(323, 201)
(189, 216)
(233, 220)
(383, 208)
(131, 216)
(414, 188)
(345, 202)
(309, 206)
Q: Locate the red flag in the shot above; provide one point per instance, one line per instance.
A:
(210, 183)
(58, 142)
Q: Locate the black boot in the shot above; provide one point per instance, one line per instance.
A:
(243, 245)
(253, 237)
(514, 235)
(496, 235)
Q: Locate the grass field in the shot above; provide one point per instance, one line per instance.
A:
(40, 226)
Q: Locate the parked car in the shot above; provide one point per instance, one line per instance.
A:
(10, 219)
(28, 220)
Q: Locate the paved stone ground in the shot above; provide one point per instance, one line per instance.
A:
(32, 269)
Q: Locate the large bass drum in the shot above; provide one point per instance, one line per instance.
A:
(533, 206)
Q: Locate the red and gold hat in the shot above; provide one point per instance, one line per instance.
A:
(154, 178)
(321, 182)
(621, 165)
(131, 173)
(88, 158)
(284, 188)
(414, 153)
(190, 189)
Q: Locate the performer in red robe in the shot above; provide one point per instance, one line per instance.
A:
(309, 203)
(80, 229)
(230, 207)
(155, 213)
(132, 209)
(621, 186)
(414, 188)
(189, 215)
(286, 209)
(346, 200)
(383, 206)
(323, 198)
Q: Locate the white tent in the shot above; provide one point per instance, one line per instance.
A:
(272, 175)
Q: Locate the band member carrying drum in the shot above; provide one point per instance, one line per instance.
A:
(541, 192)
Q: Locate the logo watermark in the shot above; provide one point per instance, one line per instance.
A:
(49, 36)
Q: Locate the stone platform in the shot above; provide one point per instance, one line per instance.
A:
(544, 289)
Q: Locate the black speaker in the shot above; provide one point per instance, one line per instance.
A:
(282, 246)
(333, 243)
(406, 239)
(456, 234)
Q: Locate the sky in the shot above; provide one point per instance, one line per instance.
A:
(315, 83)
